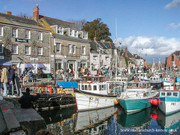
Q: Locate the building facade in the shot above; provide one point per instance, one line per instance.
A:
(24, 43)
(173, 60)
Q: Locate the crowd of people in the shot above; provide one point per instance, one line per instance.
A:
(8, 79)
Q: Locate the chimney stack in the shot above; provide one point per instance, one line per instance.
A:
(8, 13)
(126, 52)
(36, 13)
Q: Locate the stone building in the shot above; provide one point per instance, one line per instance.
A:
(173, 60)
(69, 46)
(102, 56)
(24, 43)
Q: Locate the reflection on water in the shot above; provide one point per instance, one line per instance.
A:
(110, 121)
(135, 121)
(169, 124)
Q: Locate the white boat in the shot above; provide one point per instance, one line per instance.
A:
(169, 101)
(93, 93)
(141, 76)
(137, 96)
(93, 119)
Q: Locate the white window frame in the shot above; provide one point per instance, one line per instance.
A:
(70, 48)
(41, 35)
(41, 51)
(2, 47)
(75, 33)
(83, 51)
(16, 49)
(59, 47)
(29, 34)
(16, 32)
(28, 51)
(71, 33)
(2, 30)
(74, 48)
(60, 29)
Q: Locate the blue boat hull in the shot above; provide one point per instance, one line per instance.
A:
(135, 105)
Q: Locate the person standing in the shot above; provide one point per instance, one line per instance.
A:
(11, 79)
(4, 79)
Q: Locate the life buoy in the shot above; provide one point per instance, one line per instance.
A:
(41, 89)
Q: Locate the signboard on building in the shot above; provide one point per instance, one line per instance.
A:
(33, 59)
(21, 40)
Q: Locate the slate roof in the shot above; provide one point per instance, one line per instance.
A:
(63, 37)
(64, 24)
(177, 53)
(18, 21)
(129, 54)
(104, 45)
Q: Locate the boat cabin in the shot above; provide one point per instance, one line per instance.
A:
(175, 94)
(93, 78)
(132, 85)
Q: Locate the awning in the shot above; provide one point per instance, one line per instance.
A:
(40, 65)
(28, 65)
(5, 63)
(72, 84)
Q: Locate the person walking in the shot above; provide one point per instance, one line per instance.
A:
(4, 79)
(11, 80)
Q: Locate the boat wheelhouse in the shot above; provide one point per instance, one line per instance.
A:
(169, 101)
(94, 93)
(137, 96)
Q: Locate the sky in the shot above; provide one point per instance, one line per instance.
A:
(150, 28)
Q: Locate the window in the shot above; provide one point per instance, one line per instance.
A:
(14, 49)
(74, 49)
(1, 31)
(60, 30)
(40, 36)
(14, 32)
(94, 87)
(58, 47)
(85, 35)
(76, 33)
(71, 32)
(168, 93)
(39, 51)
(27, 34)
(84, 50)
(70, 49)
(27, 50)
(1, 48)
(175, 94)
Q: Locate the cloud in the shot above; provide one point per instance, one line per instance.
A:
(174, 26)
(173, 4)
(151, 46)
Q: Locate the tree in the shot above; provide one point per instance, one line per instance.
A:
(79, 23)
(97, 29)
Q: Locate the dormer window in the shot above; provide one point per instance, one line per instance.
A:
(15, 32)
(76, 33)
(85, 35)
(71, 32)
(59, 30)
(1, 31)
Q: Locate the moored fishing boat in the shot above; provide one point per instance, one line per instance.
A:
(169, 101)
(93, 93)
(137, 96)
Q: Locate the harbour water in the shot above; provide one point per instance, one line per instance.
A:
(111, 121)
